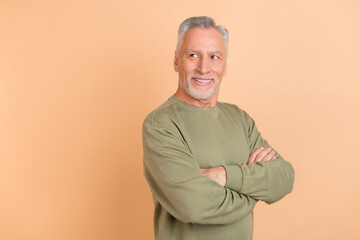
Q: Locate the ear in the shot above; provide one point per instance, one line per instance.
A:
(225, 70)
(176, 60)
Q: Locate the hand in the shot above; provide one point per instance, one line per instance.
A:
(217, 174)
(262, 155)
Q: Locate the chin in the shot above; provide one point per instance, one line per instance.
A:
(203, 95)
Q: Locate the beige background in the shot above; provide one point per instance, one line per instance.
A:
(78, 77)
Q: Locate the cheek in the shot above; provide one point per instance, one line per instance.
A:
(188, 69)
(220, 71)
(189, 65)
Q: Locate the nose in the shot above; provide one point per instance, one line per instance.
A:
(203, 66)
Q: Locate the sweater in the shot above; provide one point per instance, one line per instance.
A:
(178, 140)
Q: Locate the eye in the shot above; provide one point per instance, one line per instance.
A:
(193, 55)
(215, 57)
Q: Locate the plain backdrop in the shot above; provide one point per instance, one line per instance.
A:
(77, 79)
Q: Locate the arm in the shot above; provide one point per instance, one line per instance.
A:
(218, 174)
(266, 176)
(177, 184)
(268, 181)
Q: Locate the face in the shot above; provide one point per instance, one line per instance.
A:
(201, 64)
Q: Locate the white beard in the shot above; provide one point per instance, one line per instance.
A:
(199, 92)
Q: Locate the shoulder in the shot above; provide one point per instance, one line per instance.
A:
(234, 110)
(239, 115)
(161, 123)
(162, 115)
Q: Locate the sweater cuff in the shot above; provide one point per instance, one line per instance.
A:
(234, 177)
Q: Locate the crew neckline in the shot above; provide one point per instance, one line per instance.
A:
(193, 107)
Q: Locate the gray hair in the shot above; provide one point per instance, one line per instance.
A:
(203, 22)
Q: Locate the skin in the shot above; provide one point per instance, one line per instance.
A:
(201, 65)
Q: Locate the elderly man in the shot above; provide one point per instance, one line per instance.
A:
(205, 161)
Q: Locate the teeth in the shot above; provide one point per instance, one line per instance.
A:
(202, 81)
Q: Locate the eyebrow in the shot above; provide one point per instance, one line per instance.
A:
(211, 52)
(216, 52)
(192, 50)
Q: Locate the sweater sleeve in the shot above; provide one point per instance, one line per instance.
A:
(267, 181)
(176, 182)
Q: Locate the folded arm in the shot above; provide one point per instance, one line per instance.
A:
(177, 184)
(266, 176)
(218, 174)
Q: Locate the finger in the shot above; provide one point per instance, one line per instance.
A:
(262, 154)
(269, 156)
(254, 154)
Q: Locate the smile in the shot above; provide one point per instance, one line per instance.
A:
(202, 80)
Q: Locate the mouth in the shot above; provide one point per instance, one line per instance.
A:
(202, 81)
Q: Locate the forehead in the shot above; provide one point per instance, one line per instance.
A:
(200, 39)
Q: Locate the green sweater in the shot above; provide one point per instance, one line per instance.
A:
(178, 140)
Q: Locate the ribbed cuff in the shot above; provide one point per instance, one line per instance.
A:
(234, 177)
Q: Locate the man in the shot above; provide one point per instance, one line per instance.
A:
(205, 161)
